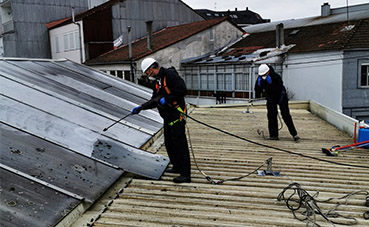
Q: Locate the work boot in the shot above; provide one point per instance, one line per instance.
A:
(182, 179)
(171, 170)
(272, 138)
(296, 138)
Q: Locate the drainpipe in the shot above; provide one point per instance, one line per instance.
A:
(130, 53)
(80, 36)
(279, 35)
(252, 75)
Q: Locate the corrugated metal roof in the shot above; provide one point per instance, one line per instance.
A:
(309, 21)
(52, 117)
(251, 201)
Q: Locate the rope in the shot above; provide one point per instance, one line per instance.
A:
(272, 147)
(300, 199)
(208, 178)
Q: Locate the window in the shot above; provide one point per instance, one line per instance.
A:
(228, 81)
(195, 84)
(240, 81)
(188, 81)
(211, 81)
(211, 35)
(364, 75)
(71, 41)
(57, 44)
(120, 74)
(204, 81)
(220, 81)
(76, 38)
(127, 75)
(66, 46)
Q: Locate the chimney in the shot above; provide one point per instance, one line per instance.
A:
(326, 9)
(235, 9)
(149, 35)
(129, 42)
(279, 32)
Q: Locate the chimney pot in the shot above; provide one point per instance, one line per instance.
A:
(325, 9)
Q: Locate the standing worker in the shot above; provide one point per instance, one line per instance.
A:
(271, 83)
(168, 97)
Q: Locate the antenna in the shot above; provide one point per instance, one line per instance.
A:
(347, 10)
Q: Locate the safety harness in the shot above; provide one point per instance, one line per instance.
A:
(175, 104)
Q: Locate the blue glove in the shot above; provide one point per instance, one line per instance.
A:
(259, 80)
(269, 79)
(136, 110)
(162, 101)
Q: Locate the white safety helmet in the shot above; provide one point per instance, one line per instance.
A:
(146, 63)
(263, 69)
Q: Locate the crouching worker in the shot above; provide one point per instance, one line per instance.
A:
(271, 83)
(168, 97)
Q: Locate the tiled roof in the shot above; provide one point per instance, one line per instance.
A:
(314, 38)
(161, 39)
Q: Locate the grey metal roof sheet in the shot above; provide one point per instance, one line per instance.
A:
(53, 113)
(25, 203)
(55, 165)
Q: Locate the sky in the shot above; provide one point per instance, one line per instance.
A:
(275, 10)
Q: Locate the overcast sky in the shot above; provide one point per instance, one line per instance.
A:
(272, 9)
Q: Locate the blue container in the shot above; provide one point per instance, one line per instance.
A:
(363, 135)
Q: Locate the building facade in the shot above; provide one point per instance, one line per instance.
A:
(24, 32)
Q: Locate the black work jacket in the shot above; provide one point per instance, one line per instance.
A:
(177, 91)
(275, 91)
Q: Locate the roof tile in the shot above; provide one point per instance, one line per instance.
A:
(161, 39)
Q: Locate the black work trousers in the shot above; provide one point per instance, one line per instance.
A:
(273, 114)
(177, 147)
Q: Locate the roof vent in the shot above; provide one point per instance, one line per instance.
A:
(326, 10)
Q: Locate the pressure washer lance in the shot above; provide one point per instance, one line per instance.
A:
(250, 103)
(106, 129)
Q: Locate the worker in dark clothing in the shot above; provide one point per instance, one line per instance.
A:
(271, 83)
(168, 97)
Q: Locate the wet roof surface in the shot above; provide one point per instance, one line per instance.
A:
(52, 114)
(26, 203)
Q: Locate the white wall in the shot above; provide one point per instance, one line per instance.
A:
(196, 45)
(71, 50)
(316, 77)
(94, 3)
